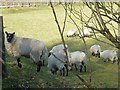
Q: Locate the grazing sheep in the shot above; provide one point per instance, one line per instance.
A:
(31, 48)
(78, 59)
(85, 32)
(109, 55)
(89, 29)
(95, 50)
(72, 33)
(60, 48)
(57, 62)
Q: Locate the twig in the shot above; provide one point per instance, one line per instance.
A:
(60, 31)
(85, 82)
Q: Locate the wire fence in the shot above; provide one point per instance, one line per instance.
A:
(23, 3)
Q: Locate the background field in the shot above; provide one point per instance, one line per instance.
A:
(38, 23)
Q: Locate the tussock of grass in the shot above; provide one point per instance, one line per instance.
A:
(38, 22)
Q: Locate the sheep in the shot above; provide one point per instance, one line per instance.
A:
(60, 48)
(109, 55)
(85, 32)
(27, 47)
(57, 62)
(72, 33)
(95, 50)
(79, 59)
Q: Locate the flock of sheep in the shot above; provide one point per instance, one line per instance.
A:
(56, 58)
(86, 32)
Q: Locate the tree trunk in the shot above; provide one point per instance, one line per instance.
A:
(2, 49)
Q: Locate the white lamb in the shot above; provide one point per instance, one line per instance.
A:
(57, 62)
(85, 32)
(78, 59)
(31, 48)
(109, 55)
(72, 33)
(95, 50)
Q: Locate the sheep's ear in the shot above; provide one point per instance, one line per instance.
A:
(6, 32)
(13, 33)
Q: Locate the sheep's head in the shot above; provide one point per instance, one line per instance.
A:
(115, 56)
(98, 54)
(10, 36)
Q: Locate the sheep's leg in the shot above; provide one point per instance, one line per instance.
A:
(75, 67)
(43, 63)
(60, 72)
(53, 72)
(98, 56)
(63, 71)
(85, 68)
(81, 68)
(93, 53)
(18, 62)
(39, 64)
(83, 64)
(66, 69)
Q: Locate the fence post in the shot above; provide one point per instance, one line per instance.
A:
(119, 46)
(3, 72)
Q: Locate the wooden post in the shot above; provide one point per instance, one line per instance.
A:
(2, 50)
(119, 49)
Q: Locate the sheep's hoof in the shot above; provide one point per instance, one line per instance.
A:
(20, 65)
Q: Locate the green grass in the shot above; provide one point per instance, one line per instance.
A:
(38, 22)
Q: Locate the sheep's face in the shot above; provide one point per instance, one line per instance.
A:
(115, 58)
(98, 54)
(10, 36)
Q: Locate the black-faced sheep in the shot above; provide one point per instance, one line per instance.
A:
(109, 55)
(95, 50)
(79, 59)
(86, 32)
(57, 62)
(72, 33)
(31, 48)
(60, 48)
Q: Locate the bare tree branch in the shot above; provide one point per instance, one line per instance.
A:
(60, 31)
(65, 19)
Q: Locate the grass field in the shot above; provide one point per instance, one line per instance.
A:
(38, 23)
